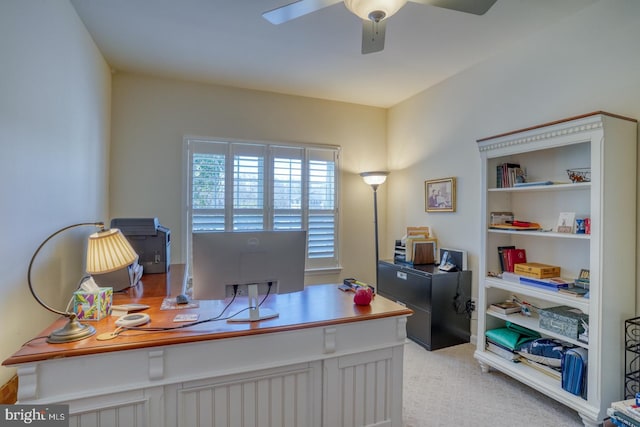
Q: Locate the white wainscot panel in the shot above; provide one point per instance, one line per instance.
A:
(134, 413)
(275, 397)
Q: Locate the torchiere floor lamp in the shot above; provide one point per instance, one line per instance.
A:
(375, 179)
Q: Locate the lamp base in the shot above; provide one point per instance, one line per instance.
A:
(72, 331)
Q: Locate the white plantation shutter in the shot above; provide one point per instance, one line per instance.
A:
(237, 186)
(322, 209)
(287, 185)
(248, 187)
(207, 190)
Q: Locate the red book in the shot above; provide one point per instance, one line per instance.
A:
(513, 257)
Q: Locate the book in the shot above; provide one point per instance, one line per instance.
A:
(575, 292)
(502, 351)
(501, 256)
(554, 373)
(513, 257)
(624, 419)
(613, 421)
(551, 283)
(506, 174)
(505, 307)
(532, 184)
(627, 407)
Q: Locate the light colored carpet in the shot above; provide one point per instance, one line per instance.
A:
(447, 388)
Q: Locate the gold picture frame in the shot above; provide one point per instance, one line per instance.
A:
(440, 195)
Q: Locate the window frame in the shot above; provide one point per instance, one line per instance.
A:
(309, 153)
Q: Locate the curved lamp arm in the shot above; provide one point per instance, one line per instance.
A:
(73, 330)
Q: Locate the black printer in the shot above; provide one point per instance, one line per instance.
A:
(150, 240)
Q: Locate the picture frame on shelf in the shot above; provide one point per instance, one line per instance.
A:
(440, 195)
(566, 222)
(583, 278)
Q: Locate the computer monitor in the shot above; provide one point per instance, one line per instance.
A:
(251, 260)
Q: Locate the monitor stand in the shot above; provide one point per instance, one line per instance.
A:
(255, 313)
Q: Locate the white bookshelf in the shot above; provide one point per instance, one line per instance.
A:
(607, 144)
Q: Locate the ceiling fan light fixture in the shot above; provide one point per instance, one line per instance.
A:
(373, 9)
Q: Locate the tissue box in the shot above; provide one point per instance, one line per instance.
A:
(93, 305)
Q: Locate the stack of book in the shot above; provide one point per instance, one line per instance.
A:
(575, 291)
(552, 283)
(509, 256)
(502, 351)
(507, 174)
(507, 341)
(625, 413)
(506, 307)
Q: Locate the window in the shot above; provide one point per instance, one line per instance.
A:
(234, 186)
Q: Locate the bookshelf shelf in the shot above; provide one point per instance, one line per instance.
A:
(533, 378)
(543, 188)
(552, 297)
(607, 145)
(542, 234)
(532, 322)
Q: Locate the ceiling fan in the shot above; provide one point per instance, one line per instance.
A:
(373, 12)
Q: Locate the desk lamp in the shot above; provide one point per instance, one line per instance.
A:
(375, 179)
(108, 250)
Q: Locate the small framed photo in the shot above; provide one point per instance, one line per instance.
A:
(566, 222)
(440, 195)
(585, 275)
(583, 279)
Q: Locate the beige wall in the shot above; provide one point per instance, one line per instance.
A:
(587, 63)
(151, 117)
(54, 133)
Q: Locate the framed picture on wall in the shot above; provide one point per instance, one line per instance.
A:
(440, 195)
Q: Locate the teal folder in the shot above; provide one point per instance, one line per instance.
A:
(512, 336)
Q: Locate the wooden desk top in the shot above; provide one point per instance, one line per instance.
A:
(316, 306)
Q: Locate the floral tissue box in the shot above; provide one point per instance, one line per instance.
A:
(92, 305)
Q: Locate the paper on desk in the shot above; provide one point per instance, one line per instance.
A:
(169, 303)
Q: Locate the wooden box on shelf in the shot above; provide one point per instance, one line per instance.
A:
(537, 270)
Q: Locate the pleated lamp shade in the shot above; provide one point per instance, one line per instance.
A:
(109, 251)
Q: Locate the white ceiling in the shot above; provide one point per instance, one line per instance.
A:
(228, 42)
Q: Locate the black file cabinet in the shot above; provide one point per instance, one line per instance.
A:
(438, 300)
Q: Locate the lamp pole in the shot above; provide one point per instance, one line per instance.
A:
(375, 226)
(374, 179)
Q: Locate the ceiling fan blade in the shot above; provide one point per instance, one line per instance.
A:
(477, 7)
(373, 36)
(296, 9)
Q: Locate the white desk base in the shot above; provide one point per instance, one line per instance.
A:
(349, 374)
